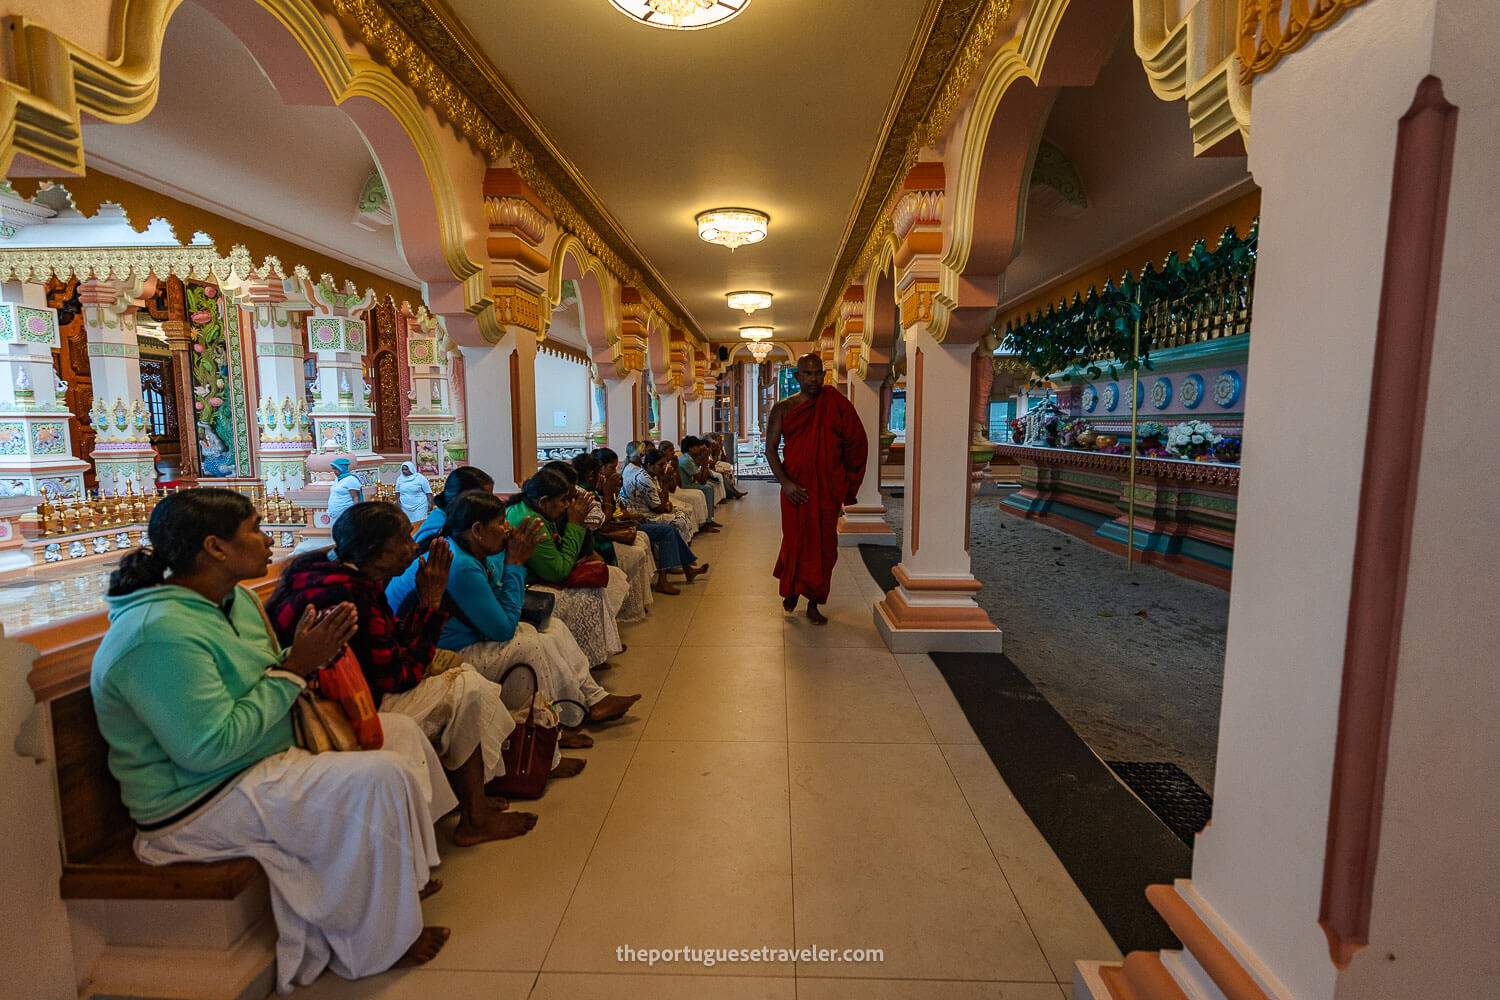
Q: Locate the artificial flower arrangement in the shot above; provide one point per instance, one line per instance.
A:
(1228, 450)
(1148, 429)
(1077, 433)
(1192, 439)
(1018, 430)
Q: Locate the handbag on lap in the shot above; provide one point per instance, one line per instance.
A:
(320, 725)
(336, 711)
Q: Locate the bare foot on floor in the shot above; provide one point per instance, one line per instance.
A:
(574, 740)
(693, 572)
(790, 603)
(489, 823)
(663, 587)
(430, 889)
(815, 616)
(569, 767)
(425, 948)
(612, 707)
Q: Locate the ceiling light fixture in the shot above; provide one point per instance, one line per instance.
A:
(756, 333)
(760, 350)
(749, 301)
(688, 14)
(732, 227)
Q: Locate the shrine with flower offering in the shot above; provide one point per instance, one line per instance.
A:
(1178, 338)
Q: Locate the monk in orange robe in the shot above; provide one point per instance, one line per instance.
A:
(820, 472)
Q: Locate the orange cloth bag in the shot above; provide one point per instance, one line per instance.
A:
(345, 683)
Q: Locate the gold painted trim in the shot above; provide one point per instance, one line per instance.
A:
(1264, 37)
(575, 205)
(56, 81)
(951, 50)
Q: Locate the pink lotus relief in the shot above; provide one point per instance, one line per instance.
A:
(201, 316)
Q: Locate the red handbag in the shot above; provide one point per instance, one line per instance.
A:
(344, 682)
(594, 573)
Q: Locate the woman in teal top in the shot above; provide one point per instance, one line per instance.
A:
(588, 611)
(193, 695)
(486, 584)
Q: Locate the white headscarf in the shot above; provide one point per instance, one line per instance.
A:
(413, 492)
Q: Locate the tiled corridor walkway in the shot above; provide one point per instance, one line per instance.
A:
(777, 786)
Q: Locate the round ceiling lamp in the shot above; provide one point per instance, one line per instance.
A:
(732, 227)
(756, 333)
(748, 301)
(681, 14)
(760, 350)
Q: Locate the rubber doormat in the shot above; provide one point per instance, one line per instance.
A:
(1169, 792)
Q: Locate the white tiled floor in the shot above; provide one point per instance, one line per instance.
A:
(777, 785)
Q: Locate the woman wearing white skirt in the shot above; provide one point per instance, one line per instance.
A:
(586, 610)
(194, 696)
(461, 712)
(486, 593)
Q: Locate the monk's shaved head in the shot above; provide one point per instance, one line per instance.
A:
(810, 359)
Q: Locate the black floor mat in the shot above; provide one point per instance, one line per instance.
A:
(1111, 844)
(1169, 792)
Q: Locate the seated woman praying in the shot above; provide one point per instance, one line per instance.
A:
(486, 587)
(672, 553)
(194, 694)
(693, 475)
(691, 500)
(460, 480)
(617, 541)
(617, 590)
(642, 492)
(719, 459)
(550, 498)
(459, 710)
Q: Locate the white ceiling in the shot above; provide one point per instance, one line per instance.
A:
(779, 109)
(220, 138)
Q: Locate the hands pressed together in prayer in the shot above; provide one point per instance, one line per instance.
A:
(432, 577)
(319, 638)
(523, 540)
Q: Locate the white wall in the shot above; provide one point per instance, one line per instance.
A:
(36, 955)
(562, 386)
(1322, 149)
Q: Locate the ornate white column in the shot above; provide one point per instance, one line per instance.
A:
(36, 449)
(430, 420)
(285, 428)
(864, 521)
(122, 448)
(933, 606)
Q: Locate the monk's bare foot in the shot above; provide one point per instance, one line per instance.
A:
(790, 603)
(569, 767)
(611, 707)
(425, 948)
(693, 572)
(814, 615)
(489, 823)
(430, 889)
(664, 587)
(573, 740)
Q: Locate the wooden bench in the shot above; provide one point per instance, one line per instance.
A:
(98, 862)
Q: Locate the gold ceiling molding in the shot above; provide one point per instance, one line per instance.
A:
(429, 27)
(960, 33)
(400, 51)
(1265, 34)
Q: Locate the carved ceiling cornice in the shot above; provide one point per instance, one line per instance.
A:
(442, 60)
(951, 44)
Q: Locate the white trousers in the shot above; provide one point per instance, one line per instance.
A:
(346, 842)
(562, 669)
(639, 566)
(459, 710)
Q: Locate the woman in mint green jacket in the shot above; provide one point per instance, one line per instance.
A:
(587, 611)
(193, 695)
